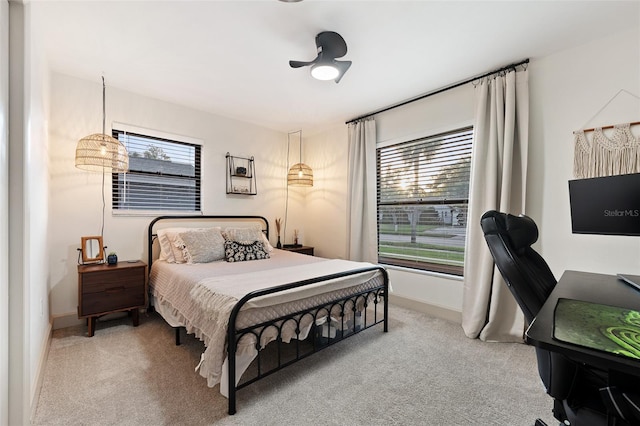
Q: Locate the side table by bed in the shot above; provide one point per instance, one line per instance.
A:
(104, 289)
(299, 249)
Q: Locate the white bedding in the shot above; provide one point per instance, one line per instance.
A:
(200, 297)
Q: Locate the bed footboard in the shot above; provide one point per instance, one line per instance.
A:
(353, 313)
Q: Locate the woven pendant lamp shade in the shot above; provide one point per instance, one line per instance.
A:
(100, 152)
(300, 175)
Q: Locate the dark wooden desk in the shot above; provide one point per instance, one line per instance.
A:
(597, 288)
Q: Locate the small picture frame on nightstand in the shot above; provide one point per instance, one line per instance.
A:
(92, 249)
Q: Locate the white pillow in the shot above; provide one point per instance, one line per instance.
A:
(266, 242)
(247, 235)
(166, 238)
(202, 245)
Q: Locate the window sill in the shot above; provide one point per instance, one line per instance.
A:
(423, 272)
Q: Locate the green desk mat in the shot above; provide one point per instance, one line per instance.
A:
(595, 326)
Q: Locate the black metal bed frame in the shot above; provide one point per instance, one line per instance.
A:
(339, 306)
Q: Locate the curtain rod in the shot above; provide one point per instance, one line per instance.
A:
(443, 89)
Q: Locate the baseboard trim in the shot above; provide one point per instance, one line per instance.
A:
(427, 308)
(35, 396)
(66, 320)
(71, 319)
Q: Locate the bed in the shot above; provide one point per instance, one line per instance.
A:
(257, 309)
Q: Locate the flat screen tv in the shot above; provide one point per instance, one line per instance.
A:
(606, 205)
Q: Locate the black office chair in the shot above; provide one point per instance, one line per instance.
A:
(576, 389)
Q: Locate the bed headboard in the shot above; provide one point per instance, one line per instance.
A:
(197, 221)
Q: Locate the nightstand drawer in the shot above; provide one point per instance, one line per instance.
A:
(98, 282)
(299, 249)
(116, 297)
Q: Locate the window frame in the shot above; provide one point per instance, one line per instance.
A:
(162, 138)
(460, 203)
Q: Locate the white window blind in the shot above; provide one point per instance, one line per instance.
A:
(164, 175)
(423, 194)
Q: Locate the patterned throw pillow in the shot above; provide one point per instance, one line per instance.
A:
(235, 251)
(247, 235)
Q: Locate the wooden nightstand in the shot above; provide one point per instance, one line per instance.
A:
(104, 289)
(299, 249)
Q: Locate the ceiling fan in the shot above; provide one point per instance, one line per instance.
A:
(330, 45)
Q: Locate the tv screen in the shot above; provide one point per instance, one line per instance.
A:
(605, 205)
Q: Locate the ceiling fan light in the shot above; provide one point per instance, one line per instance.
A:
(324, 72)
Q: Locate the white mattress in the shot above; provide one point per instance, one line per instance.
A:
(173, 287)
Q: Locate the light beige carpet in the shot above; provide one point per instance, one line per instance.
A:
(424, 371)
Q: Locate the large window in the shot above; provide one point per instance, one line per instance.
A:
(423, 194)
(164, 175)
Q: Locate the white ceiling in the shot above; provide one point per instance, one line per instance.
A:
(231, 58)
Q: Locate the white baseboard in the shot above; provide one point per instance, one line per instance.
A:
(71, 319)
(66, 320)
(35, 394)
(426, 308)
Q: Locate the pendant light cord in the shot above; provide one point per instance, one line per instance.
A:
(286, 204)
(104, 114)
(103, 208)
(103, 105)
(300, 147)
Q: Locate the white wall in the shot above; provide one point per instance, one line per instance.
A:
(4, 212)
(445, 111)
(18, 290)
(76, 202)
(568, 90)
(36, 171)
(326, 202)
(28, 204)
(325, 208)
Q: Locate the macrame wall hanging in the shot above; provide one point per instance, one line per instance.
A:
(616, 153)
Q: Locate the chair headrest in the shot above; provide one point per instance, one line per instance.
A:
(521, 230)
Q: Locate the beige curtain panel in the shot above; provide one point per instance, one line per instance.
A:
(498, 182)
(361, 198)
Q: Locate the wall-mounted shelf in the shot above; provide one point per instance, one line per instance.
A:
(241, 175)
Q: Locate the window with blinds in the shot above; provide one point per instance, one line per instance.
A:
(423, 194)
(164, 175)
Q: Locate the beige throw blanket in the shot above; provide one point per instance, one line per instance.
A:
(218, 295)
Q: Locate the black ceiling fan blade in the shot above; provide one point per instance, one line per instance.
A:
(298, 64)
(342, 66)
(331, 44)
